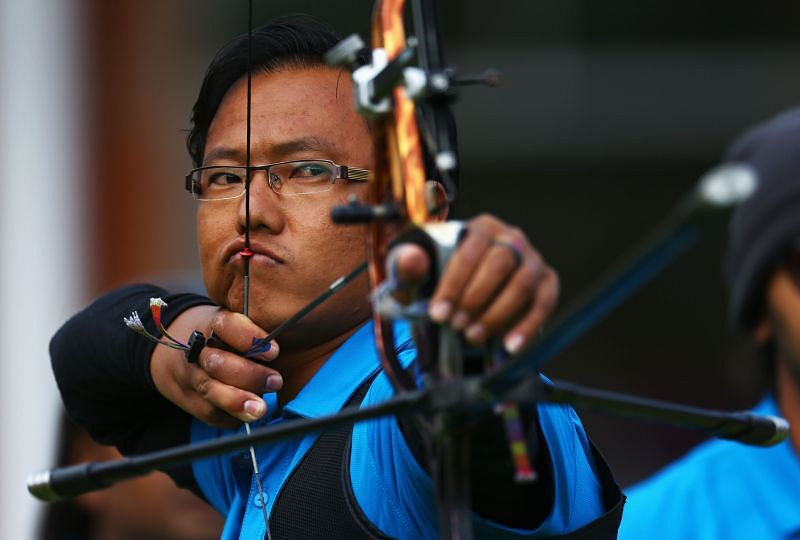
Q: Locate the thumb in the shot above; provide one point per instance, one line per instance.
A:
(409, 264)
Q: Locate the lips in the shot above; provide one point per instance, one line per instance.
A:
(260, 253)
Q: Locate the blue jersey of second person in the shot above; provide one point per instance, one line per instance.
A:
(720, 490)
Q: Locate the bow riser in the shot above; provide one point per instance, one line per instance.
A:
(399, 179)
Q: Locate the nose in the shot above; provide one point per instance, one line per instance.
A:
(266, 210)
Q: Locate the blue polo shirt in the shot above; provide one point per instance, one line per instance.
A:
(393, 491)
(722, 489)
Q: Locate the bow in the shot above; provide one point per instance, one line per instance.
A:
(399, 193)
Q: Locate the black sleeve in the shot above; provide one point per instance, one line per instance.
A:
(495, 494)
(102, 369)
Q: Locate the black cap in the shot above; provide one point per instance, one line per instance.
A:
(766, 225)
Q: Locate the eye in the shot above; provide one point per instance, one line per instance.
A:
(309, 170)
(222, 178)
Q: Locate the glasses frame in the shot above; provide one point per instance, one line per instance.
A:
(340, 172)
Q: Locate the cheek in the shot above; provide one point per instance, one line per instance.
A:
(205, 234)
(314, 224)
(334, 244)
(211, 238)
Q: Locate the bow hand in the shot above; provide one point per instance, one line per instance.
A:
(495, 284)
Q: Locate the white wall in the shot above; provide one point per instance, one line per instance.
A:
(41, 202)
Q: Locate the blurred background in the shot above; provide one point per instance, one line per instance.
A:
(607, 113)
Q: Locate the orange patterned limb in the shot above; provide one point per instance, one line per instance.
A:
(409, 153)
(408, 178)
(399, 178)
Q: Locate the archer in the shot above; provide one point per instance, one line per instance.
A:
(309, 151)
(697, 495)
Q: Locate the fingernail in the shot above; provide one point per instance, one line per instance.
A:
(440, 311)
(254, 409)
(513, 343)
(460, 320)
(274, 383)
(476, 333)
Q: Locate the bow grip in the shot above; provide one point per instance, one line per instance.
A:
(452, 358)
(439, 240)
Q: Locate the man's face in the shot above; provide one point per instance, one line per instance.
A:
(299, 251)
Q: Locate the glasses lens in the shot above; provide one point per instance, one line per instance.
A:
(219, 182)
(300, 177)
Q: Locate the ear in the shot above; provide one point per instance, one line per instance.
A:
(762, 334)
(437, 196)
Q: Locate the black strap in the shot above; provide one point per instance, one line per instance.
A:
(605, 526)
(317, 500)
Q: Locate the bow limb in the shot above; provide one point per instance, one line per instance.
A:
(399, 176)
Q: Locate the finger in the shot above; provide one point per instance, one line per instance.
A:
(507, 308)
(246, 406)
(209, 414)
(196, 405)
(497, 268)
(410, 263)
(237, 371)
(526, 329)
(447, 296)
(239, 332)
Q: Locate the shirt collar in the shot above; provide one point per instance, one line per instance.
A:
(338, 379)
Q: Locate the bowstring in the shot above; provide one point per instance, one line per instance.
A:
(247, 253)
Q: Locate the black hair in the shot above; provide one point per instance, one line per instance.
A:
(292, 41)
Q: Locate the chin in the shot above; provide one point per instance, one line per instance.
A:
(234, 302)
(229, 296)
(266, 313)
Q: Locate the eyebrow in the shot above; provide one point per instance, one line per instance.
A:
(304, 144)
(278, 152)
(222, 153)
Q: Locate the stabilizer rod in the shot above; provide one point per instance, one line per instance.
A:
(718, 189)
(66, 482)
(744, 427)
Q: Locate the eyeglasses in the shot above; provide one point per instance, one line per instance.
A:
(288, 178)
